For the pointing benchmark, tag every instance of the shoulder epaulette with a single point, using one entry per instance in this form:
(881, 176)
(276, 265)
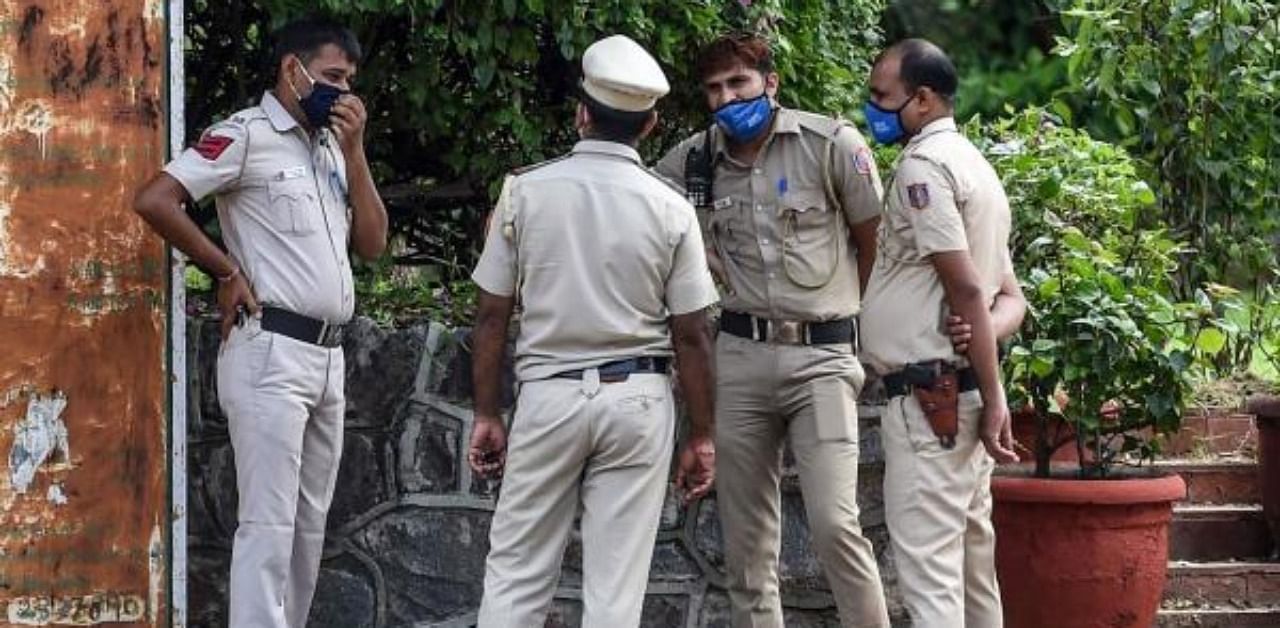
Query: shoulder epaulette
(665, 181)
(531, 167)
(825, 126)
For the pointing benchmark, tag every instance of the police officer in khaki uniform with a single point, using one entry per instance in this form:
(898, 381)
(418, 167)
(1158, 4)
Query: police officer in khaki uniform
(790, 221)
(293, 189)
(606, 261)
(943, 254)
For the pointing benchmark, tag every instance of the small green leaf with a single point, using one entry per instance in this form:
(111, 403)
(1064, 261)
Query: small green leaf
(1211, 340)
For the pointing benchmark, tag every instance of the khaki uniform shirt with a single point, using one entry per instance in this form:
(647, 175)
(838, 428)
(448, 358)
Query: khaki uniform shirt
(600, 252)
(282, 207)
(784, 244)
(944, 197)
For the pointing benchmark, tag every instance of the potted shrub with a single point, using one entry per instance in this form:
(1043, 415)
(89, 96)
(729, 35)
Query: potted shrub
(1100, 366)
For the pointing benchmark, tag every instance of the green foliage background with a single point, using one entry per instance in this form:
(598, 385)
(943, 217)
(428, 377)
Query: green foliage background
(462, 92)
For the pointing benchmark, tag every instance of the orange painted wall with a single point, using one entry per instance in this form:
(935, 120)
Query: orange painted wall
(83, 462)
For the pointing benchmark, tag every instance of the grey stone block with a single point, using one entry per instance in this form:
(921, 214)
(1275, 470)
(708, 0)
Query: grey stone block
(564, 613)
(363, 477)
(709, 540)
(429, 446)
(211, 493)
(665, 610)
(381, 367)
(345, 597)
(205, 419)
(432, 561)
(671, 561)
(207, 571)
(715, 610)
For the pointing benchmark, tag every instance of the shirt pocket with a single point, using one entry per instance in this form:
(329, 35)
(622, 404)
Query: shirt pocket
(812, 234)
(730, 228)
(293, 205)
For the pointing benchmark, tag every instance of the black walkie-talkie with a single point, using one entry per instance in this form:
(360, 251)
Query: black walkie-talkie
(699, 173)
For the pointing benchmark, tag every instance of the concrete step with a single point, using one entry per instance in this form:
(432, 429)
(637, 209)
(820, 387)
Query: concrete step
(1218, 532)
(1222, 585)
(1225, 480)
(1219, 618)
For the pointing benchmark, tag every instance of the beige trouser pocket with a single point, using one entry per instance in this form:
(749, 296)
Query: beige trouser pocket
(835, 409)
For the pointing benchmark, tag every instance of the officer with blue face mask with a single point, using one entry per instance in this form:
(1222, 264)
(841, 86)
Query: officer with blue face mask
(943, 256)
(788, 202)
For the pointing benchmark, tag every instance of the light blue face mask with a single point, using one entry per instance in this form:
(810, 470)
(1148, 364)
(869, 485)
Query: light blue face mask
(745, 120)
(886, 124)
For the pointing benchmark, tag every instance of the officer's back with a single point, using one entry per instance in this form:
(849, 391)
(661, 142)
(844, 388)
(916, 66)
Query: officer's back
(595, 236)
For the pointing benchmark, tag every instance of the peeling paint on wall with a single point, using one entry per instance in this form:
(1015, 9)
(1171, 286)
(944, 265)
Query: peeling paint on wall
(37, 437)
(55, 495)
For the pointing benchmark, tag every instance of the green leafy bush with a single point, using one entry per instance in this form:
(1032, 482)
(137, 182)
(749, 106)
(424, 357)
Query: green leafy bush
(1192, 87)
(1103, 350)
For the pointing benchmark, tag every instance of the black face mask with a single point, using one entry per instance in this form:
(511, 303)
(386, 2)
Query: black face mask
(319, 103)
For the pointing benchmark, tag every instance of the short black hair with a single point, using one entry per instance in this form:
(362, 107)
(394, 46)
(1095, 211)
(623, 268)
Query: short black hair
(305, 37)
(923, 64)
(614, 125)
(728, 51)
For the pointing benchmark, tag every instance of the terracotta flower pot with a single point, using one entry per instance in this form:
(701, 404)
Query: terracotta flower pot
(1024, 431)
(1267, 410)
(1082, 553)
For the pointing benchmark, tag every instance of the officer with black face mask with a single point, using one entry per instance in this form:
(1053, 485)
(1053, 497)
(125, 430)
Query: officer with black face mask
(293, 190)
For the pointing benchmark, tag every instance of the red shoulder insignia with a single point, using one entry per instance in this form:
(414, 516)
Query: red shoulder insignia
(211, 146)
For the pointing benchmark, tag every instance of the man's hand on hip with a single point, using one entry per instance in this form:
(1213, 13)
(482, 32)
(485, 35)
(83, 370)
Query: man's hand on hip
(234, 296)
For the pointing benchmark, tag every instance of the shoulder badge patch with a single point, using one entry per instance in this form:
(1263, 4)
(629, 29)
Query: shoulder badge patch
(862, 160)
(918, 195)
(211, 146)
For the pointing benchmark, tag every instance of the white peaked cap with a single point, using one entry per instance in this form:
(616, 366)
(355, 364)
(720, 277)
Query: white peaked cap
(618, 73)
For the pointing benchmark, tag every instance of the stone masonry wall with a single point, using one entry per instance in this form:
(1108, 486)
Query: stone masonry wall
(408, 530)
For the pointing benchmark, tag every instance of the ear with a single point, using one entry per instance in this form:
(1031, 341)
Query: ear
(287, 62)
(582, 118)
(650, 125)
(771, 83)
(929, 100)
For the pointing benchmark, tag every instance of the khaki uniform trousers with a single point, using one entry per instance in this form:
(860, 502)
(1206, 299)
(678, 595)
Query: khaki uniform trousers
(605, 447)
(284, 404)
(938, 507)
(764, 393)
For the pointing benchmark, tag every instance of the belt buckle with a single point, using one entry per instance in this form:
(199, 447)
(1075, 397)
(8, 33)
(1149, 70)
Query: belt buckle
(330, 334)
(786, 332)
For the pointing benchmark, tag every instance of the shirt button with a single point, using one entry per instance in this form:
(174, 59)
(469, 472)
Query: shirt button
(758, 171)
(772, 275)
(759, 208)
(764, 241)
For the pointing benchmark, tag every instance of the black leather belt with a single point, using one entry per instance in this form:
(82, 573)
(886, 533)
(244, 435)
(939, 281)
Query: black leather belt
(620, 370)
(788, 332)
(900, 383)
(300, 327)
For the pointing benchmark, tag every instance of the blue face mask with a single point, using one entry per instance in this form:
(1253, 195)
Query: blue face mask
(886, 124)
(745, 120)
(319, 103)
